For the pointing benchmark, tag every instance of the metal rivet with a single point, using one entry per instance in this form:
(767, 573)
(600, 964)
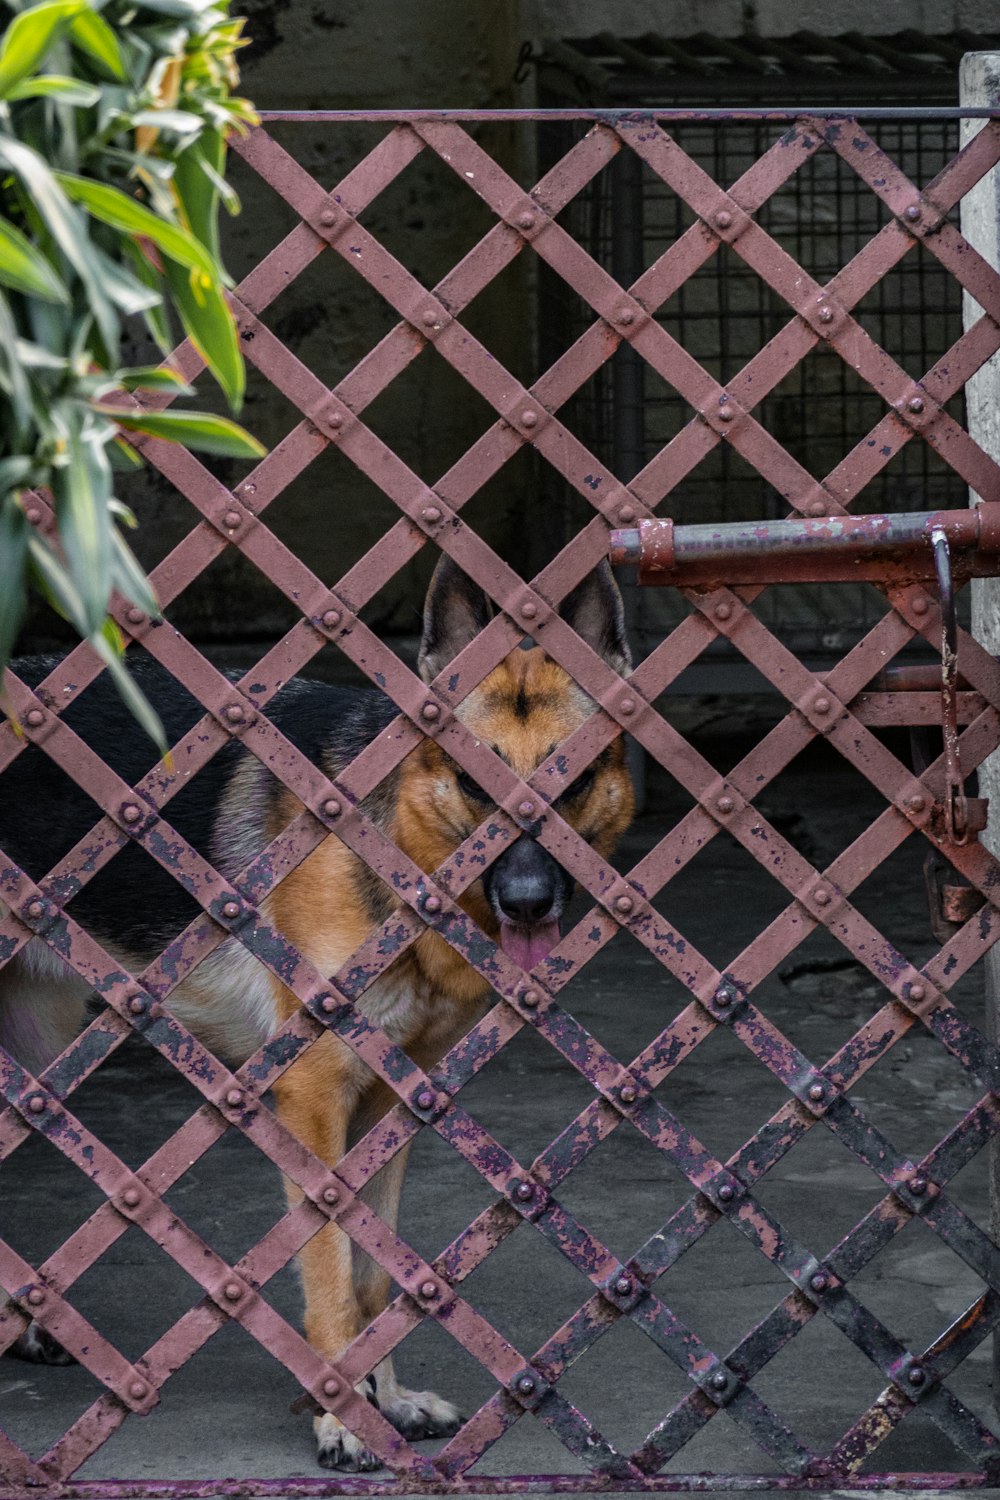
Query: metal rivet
(33, 515)
(725, 804)
(137, 1005)
(826, 315)
(627, 706)
(623, 1285)
(35, 909)
(526, 1385)
(232, 1291)
(332, 808)
(917, 1376)
(819, 1282)
(524, 1192)
(130, 813)
(723, 611)
(529, 999)
(430, 711)
(915, 404)
(334, 417)
(328, 217)
(34, 717)
(431, 514)
(429, 1290)
(529, 419)
(920, 605)
(234, 713)
(723, 218)
(912, 212)
(36, 1296)
(821, 896)
(917, 802)
(526, 809)
(36, 1104)
(234, 1098)
(624, 904)
(331, 617)
(134, 615)
(626, 317)
(331, 1195)
(726, 1193)
(331, 1386)
(230, 909)
(328, 1005)
(231, 520)
(918, 1186)
(529, 610)
(817, 508)
(526, 220)
(719, 1381)
(137, 1390)
(722, 998)
(131, 1197)
(429, 318)
(916, 992)
(726, 414)
(822, 705)
(425, 1099)
(627, 1093)
(627, 513)
(816, 1092)
(432, 904)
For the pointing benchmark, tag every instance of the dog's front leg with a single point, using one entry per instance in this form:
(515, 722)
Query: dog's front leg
(415, 1414)
(316, 1099)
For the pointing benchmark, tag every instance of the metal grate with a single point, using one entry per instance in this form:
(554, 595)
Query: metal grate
(524, 1197)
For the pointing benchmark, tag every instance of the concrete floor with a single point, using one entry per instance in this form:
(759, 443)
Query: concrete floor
(227, 1412)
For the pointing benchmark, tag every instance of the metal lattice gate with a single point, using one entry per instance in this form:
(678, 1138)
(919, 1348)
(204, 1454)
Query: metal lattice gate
(834, 706)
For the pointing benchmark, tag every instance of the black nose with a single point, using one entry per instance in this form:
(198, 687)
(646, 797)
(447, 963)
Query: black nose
(526, 899)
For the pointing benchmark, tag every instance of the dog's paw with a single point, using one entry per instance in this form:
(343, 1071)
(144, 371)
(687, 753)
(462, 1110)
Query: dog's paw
(38, 1346)
(336, 1448)
(421, 1414)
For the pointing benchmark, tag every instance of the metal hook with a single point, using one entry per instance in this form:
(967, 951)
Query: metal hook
(956, 806)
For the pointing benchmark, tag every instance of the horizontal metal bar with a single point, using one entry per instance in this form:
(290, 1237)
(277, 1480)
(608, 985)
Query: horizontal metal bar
(805, 550)
(508, 1484)
(619, 116)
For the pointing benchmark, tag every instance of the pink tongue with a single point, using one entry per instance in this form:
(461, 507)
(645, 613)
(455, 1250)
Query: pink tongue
(528, 946)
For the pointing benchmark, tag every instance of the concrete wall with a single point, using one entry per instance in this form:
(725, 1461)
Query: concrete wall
(630, 18)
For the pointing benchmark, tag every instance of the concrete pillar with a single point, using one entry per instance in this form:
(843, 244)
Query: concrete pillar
(980, 86)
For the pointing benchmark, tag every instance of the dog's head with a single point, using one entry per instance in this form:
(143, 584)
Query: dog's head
(525, 708)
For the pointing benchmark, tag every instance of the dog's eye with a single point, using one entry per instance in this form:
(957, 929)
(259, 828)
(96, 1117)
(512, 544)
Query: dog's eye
(580, 786)
(469, 788)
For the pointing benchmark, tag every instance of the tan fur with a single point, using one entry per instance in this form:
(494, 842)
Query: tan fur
(430, 996)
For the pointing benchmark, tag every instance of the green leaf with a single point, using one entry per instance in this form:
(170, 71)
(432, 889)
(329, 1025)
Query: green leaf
(123, 213)
(155, 316)
(14, 533)
(129, 691)
(180, 121)
(29, 36)
(209, 324)
(125, 290)
(92, 34)
(82, 489)
(129, 578)
(54, 583)
(54, 86)
(200, 430)
(154, 378)
(67, 228)
(13, 380)
(25, 268)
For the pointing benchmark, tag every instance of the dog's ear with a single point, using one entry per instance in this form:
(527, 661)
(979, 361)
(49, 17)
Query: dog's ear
(594, 609)
(455, 611)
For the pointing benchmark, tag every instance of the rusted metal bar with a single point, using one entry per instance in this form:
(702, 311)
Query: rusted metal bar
(810, 551)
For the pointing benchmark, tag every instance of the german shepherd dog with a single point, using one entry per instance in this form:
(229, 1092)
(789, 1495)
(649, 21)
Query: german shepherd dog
(429, 997)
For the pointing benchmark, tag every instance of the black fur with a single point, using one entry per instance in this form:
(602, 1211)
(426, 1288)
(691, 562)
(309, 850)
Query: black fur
(43, 813)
